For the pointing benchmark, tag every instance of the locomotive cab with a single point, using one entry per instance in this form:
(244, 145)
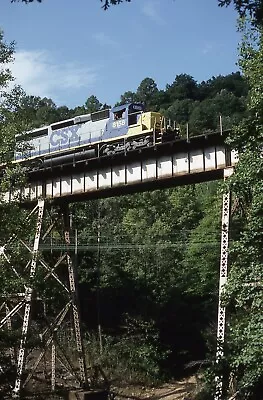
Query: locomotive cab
(127, 113)
(134, 113)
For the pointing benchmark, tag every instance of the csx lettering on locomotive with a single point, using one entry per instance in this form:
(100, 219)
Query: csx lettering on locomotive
(64, 136)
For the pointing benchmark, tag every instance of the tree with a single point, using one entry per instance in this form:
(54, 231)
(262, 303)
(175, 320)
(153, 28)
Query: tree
(92, 104)
(106, 3)
(234, 83)
(147, 91)
(34, 111)
(204, 246)
(9, 215)
(244, 292)
(180, 110)
(127, 97)
(183, 87)
(203, 117)
(8, 100)
(25, 1)
(252, 7)
(6, 56)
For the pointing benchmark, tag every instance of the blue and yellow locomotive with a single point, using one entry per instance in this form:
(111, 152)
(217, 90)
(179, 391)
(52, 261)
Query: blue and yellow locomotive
(103, 133)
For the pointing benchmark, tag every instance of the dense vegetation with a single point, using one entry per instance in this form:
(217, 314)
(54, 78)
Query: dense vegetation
(184, 100)
(152, 284)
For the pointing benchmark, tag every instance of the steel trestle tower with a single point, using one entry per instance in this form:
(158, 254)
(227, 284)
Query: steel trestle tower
(55, 349)
(221, 322)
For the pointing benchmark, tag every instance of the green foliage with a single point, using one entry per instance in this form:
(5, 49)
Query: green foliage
(105, 3)
(180, 110)
(92, 104)
(108, 3)
(9, 124)
(6, 55)
(186, 101)
(183, 87)
(244, 290)
(204, 246)
(143, 268)
(205, 114)
(244, 7)
(26, 1)
(132, 357)
(233, 83)
(127, 97)
(203, 117)
(33, 111)
(254, 8)
(146, 92)
(6, 126)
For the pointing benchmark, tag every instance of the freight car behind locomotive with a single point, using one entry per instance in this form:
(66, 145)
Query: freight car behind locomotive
(123, 128)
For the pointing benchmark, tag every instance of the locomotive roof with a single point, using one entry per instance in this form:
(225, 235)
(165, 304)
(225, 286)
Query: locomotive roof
(121, 107)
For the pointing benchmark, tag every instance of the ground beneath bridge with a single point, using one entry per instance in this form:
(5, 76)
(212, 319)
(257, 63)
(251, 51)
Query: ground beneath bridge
(185, 389)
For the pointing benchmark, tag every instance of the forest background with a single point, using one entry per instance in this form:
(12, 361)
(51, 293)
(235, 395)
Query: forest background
(151, 286)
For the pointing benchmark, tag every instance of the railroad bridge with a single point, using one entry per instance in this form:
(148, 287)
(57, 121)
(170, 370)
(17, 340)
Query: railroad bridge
(181, 162)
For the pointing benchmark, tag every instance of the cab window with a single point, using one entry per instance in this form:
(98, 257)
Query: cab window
(119, 114)
(133, 118)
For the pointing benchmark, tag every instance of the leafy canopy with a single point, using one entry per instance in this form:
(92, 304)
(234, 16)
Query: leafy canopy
(254, 8)
(106, 3)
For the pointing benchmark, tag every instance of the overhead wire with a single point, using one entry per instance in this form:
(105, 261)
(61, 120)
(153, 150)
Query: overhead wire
(112, 246)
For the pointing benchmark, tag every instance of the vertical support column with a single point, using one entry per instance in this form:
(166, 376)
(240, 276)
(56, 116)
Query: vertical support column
(74, 299)
(222, 281)
(28, 299)
(53, 365)
(9, 327)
